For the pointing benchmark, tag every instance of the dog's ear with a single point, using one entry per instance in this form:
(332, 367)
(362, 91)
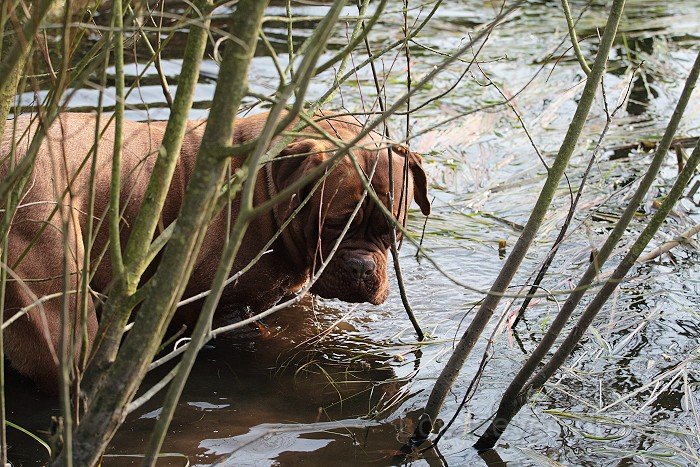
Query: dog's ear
(292, 163)
(420, 181)
(296, 159)
(304, 147)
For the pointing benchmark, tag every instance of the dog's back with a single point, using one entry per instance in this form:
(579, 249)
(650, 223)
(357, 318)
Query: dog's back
(48, 227)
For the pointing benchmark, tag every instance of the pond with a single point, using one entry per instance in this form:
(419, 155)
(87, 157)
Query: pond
(342, 384)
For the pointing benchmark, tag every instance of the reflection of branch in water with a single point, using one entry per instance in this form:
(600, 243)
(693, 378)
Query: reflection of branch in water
(416, 362)
(491, 458)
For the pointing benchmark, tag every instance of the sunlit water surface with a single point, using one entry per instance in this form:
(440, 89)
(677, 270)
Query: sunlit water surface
(350, 394)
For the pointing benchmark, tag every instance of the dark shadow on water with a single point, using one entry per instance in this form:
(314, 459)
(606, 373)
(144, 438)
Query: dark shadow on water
(30, 409)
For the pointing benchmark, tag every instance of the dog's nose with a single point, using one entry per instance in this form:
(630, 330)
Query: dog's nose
(360, 267)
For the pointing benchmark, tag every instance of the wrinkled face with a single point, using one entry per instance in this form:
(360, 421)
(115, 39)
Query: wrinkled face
(357, 271)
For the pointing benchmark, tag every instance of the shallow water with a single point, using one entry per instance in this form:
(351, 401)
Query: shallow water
(351, 396)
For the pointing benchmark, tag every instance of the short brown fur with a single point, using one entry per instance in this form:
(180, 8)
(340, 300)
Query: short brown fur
(357, 272)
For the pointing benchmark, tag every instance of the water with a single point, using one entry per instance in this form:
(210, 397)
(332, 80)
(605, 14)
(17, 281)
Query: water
(629, 394)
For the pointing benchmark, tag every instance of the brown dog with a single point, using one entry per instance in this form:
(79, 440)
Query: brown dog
(357, 272)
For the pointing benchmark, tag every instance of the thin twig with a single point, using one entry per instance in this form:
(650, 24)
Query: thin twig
(394, 250)
(574, 40)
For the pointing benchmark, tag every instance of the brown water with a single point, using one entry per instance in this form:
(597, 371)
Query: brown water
(350, 395)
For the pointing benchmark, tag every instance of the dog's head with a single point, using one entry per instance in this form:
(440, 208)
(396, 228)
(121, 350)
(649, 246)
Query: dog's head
(357, 271)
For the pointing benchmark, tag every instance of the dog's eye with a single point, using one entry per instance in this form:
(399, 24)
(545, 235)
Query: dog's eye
(385, 227)
(335, 225)
(383, 230)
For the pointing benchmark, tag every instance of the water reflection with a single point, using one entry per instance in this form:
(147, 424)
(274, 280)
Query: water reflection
(642, 91)
(315, 373)
(350, 396)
